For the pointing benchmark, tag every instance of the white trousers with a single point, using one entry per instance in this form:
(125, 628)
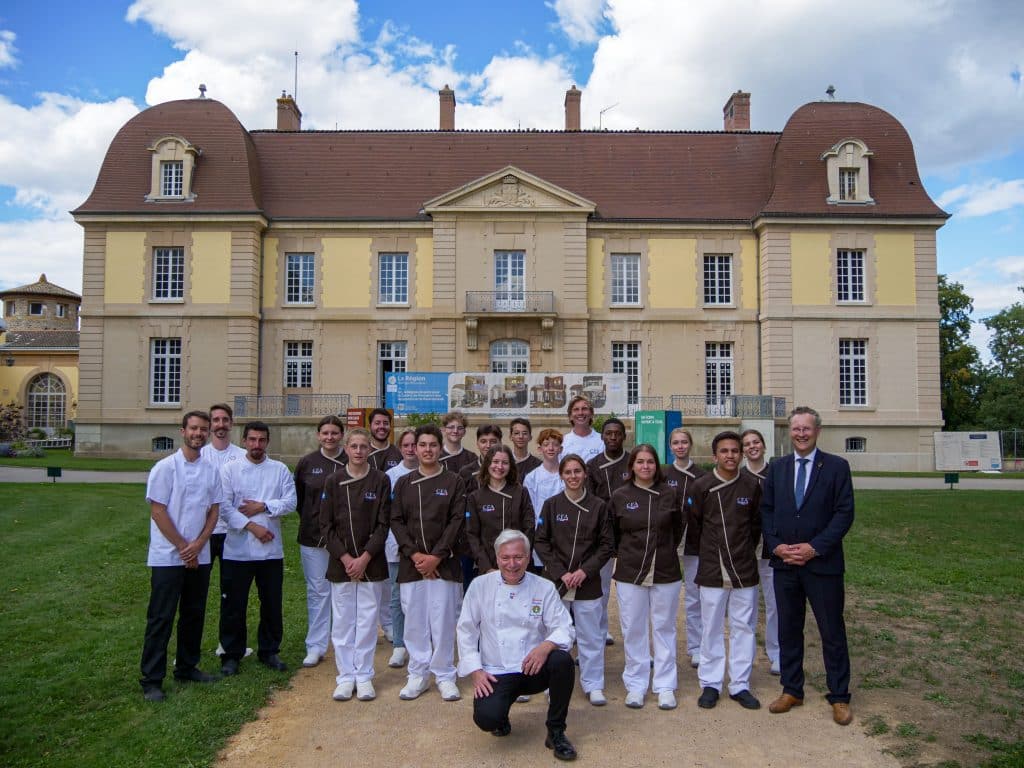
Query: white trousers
(586, 616)
(646, 614)
(431, 611)
(318, 598)
(771, 611)
(355, 605)
(741, 605)
(385, 606)
(606, 593)
(691, 601)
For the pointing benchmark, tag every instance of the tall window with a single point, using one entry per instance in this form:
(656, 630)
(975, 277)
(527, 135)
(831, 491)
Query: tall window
(172, 178)
(509, 281)
(625, 278)
(298, 364)
(394, 278)
(299, 278)
(847, 183)
(168, 273)
(9, 306)
(626, 359)
(717, 377)
(718, 279)
(165, 371)
(510, 356)
(46, 402)
(853, 372)
(62, 310)
(392, 357)
(850, 275)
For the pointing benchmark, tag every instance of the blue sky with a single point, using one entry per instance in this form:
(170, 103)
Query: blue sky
(72, 73)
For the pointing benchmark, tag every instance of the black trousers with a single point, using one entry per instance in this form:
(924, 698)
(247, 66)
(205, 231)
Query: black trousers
(794, 588)
(174, 590)
(558, 675)
(237, 577)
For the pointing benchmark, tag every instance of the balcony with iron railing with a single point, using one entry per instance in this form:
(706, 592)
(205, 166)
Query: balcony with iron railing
(511, 302)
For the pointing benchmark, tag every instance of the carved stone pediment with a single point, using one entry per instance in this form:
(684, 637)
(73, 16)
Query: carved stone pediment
(509, 189)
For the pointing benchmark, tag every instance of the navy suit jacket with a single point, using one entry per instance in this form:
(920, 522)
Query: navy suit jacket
(822, 520)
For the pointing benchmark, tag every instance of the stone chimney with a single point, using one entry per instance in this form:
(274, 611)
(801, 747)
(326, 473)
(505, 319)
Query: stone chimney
(289, 118)
(572, 109)
(737, 112)
(447, 98)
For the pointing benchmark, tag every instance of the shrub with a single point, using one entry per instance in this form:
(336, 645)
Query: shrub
(12, 422)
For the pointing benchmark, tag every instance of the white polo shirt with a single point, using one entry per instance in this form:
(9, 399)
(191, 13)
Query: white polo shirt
(272, 483)
(219, 458)
(187, 489)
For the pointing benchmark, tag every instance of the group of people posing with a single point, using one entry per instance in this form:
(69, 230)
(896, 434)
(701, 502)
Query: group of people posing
(508, 556)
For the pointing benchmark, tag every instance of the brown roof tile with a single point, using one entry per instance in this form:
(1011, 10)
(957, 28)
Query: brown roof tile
(42, 287)
(40, 340)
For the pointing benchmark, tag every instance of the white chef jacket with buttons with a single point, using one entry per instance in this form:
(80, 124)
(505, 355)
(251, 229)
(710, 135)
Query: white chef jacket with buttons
(219, 458)
(187, 489)
(272, 483)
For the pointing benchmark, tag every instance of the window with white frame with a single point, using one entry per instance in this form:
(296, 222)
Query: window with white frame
(299, 277)
(853, 372)
(46, 402)
(717, 279)
(161, 444)
(392, 357)
(36, 308)
(856, 444)
(510, 356)
(847, 183)
(168, 273)
(393, 272)
(626, 359)
(298, 364)
(625, 279)
(165, 371)
(62, 310)
(172, 178)
(509, 281)
(849, 275)
(9, 307)
(718, 377)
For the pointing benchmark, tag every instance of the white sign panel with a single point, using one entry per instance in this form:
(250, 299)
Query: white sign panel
(536, 393)
(966, 451)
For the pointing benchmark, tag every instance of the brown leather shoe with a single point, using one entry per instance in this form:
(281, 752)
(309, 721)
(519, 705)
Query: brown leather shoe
(784, 703)
(841, 713)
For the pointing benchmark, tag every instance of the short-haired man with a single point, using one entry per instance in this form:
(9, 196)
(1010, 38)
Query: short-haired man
(725, 513)
(514, 639)
(383, 455)
(520, 432)
(453, 456)
(183, 494)
(806, 511)
(582, 439)
(257, 493)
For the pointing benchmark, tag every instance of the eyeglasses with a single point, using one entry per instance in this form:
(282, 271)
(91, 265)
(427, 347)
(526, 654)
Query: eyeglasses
(455, 428)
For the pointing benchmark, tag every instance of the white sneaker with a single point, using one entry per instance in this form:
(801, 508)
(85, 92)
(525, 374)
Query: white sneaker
(634, 699)
(522, 699)
(398, 658)
(776, 669)
(597, 698)
(312, 659)
(364, 690)
(414, 686)
(344, 690)
(666, 700)
(449, 690)
(695, 660)
(219, 651)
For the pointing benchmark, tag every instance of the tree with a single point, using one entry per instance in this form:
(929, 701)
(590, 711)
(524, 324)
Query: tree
(1003, 390)
(959, 363)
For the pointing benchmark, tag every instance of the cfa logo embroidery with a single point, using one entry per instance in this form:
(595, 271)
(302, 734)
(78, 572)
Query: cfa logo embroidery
(562, 517)
(633, 505)
(391, 463)
(487, 508)
(370, 496)
(673, 483)
(742, 501)
(441, 492)
(317, 471)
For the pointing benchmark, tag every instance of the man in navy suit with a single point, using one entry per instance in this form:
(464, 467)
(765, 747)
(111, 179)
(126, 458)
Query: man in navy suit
(806, 509)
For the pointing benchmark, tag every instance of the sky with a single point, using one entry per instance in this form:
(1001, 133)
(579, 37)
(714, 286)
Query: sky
(72, 73)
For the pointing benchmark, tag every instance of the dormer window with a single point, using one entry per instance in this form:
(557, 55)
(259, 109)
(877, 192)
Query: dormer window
(846, 165)
(174, 162)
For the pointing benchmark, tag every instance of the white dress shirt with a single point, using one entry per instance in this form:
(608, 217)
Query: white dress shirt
(391, 544)
(219, 458)
(272, 483)
(187, 489)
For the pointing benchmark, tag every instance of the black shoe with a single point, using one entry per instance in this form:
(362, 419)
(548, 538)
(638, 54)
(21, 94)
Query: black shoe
(564, 750)
(609, 640)
(274, 662)
(153, 693)
(502, 730)
(708, 698)
(746, 699)
(195, 675)
(229, 667)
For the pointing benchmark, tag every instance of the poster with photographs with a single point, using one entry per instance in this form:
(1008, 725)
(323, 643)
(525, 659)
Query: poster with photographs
(536, 393)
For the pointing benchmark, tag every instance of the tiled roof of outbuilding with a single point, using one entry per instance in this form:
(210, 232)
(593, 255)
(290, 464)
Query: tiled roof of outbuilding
(40, 340)
(41, 287)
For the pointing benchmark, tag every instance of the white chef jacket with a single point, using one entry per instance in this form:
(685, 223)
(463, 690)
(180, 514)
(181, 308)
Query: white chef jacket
(542, 485)
(219, 459)
(585, 447)
(272, 483)
(391, 543)
(187, 489)
(500, 623)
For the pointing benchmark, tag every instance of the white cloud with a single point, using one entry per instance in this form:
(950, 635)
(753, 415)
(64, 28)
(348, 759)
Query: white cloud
(982, 199)
(8, 53)
(579, 19)
(53, 246)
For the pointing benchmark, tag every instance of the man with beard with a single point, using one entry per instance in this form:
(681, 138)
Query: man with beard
(383, 455)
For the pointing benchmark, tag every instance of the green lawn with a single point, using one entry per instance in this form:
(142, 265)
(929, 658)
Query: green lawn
(67, 460)
(963, 475)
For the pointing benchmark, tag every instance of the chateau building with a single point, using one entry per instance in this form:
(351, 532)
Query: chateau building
(710, 267)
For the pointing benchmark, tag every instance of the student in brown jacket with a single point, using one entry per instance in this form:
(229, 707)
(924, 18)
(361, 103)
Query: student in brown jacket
(427, 515)
(354, 515)
(498, 503)
(727, 520)
(574, 540)
(648, 526)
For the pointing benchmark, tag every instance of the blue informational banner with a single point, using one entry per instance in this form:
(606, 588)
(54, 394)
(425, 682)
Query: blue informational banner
(416, 392)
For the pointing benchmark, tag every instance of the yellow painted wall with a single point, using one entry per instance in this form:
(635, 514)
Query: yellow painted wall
(595, 273)
(14, 379)
(424, 272)
(269, 272)
(346, 271)
(894, 269)
(810, 259)
(748, 273)
(124, 267)
(672, 273)
(211, 267)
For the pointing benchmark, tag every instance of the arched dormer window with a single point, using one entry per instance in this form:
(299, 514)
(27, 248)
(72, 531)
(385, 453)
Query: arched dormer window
(174, 160)
(846, 164)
